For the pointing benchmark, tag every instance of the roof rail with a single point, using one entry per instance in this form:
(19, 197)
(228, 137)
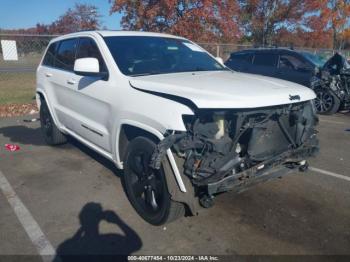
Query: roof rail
(86, 30)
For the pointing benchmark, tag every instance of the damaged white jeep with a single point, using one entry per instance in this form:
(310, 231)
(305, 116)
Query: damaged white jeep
(182, 126)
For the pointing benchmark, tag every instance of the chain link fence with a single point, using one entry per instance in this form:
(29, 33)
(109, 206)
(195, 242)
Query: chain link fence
(224, 50)
(17, 73)
(29, 49)
(19, 58)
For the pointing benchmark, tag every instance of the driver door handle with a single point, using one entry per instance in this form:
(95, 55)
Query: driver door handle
(71, 82)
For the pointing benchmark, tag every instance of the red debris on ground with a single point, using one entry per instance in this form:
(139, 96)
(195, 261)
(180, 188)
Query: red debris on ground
(12, 148)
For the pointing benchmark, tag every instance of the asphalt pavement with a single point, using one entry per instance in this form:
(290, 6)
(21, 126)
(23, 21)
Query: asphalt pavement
(68, 199)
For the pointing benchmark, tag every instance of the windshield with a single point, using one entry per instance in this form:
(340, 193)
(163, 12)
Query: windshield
(145, 55)
(315, 59)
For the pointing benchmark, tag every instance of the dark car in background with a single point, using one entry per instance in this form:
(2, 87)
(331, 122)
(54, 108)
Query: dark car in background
(281, 63)
(305, 68)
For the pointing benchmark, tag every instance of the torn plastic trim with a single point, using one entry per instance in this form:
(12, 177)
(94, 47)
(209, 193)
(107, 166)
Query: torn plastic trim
(162, 149)
(176, 171)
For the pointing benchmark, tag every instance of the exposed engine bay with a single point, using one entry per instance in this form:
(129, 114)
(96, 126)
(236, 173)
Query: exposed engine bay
(223, 143)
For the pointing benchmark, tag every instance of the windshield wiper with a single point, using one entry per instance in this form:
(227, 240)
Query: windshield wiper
(146, 74)
(199, 69)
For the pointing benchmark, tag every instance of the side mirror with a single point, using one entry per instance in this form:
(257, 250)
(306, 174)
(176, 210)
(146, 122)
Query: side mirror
(220, 60)
(88, 66)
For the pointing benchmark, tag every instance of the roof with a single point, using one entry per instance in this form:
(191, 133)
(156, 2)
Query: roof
(266, 49)
(134, 33)
(106, 33)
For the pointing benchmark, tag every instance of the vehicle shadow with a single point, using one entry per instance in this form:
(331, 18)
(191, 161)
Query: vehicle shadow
(88, 244)
(72, 142)
(23, 135)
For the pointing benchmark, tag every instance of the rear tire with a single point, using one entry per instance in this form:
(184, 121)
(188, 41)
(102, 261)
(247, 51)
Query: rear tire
(326, 102)
(146, 187)
(52, 135)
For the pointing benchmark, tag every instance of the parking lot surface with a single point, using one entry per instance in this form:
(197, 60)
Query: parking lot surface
(74, 202)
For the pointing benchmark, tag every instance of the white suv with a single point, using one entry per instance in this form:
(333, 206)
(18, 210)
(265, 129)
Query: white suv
(182, 126)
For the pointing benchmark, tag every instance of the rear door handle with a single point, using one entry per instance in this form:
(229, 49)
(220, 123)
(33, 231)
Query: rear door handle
(71, 82)
(48, 75)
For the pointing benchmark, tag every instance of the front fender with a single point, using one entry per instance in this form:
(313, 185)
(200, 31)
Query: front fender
(41, 93)
(160, 136)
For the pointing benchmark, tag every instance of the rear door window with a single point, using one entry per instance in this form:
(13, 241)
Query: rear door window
(88, 48)
(66, 54)
(265, 59)
(49, 59)
(291, 62)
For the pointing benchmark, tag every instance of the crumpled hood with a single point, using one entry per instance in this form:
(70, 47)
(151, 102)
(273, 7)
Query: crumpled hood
(336, 64)
(224, 89)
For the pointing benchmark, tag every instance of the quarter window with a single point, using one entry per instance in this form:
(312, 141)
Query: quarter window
(269, 60)
(49, 59)
(239, 59)
(242, 57)
(88, 48)
(66, 54)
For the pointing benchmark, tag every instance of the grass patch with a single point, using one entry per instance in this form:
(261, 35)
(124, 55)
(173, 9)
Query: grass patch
(31, 61)
(17, 88)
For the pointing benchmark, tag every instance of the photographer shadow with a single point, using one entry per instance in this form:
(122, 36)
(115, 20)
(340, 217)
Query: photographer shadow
(87, 244)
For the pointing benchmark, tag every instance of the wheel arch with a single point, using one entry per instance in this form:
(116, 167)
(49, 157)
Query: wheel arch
(130, 129)
(40, 94)
(126, 133)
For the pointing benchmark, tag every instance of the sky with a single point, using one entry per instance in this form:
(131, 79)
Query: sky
(15, 14)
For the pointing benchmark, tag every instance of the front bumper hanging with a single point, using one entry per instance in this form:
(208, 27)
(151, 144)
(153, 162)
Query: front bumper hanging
(279, 166)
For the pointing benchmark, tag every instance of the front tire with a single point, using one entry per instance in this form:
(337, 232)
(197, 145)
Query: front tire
(146, 187)
(326, 102)
(52, 135)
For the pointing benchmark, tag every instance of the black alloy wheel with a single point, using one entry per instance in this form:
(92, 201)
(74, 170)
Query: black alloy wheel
(325, 102)
(146, 187)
